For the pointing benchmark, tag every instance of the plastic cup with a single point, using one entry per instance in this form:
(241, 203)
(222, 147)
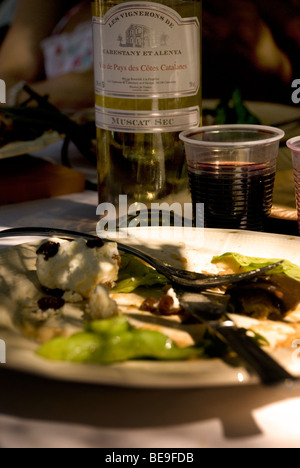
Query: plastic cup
(232, 171)
(294, 146)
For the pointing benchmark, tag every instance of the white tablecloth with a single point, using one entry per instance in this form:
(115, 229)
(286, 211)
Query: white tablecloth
(36, 412)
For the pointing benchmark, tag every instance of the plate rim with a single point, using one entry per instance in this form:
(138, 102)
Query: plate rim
(238, 376)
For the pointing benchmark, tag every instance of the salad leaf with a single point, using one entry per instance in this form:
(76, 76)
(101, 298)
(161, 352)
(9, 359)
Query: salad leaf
(251, 263)
(115, 340)
(232, 110)
(134, 274)
(257, 337)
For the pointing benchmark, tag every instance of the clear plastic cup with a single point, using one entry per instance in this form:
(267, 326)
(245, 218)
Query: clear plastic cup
(294, 145)
(232, 171)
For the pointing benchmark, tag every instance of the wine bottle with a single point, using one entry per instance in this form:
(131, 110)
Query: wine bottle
(147, 90)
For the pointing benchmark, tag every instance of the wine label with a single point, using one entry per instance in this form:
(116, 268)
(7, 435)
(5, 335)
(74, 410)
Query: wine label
(147, 122)
(146, 50)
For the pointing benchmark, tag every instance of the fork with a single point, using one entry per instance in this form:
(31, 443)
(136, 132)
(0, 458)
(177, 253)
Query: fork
(212, 309)
(190, 281)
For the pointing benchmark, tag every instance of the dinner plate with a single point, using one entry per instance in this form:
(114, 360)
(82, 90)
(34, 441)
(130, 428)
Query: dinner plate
(18, 148)
(190, 247)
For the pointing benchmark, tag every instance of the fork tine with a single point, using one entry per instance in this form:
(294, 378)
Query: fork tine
(213, 281)
(211, 278)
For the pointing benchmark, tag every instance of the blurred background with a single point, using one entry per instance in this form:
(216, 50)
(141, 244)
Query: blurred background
(252, 45)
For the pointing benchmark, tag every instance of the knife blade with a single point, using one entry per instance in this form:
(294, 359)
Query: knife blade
(211, 309)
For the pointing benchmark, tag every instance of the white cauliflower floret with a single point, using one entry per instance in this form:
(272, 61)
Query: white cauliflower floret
(176, 304)
(77, 266)
(101, 305)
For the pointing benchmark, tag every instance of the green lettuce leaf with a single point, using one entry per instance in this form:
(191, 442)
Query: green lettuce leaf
(134, 274)
(115, 340)
(251, 263)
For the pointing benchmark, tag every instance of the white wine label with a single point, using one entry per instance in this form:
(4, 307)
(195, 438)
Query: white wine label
(147, 122)
(146, 50)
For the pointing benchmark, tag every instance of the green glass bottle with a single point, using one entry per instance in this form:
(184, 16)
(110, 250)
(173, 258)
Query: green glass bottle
(148, 89)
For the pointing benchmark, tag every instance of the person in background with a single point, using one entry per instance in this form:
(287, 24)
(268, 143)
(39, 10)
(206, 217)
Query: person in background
(49, 46)
(252, 45)
(7, 8)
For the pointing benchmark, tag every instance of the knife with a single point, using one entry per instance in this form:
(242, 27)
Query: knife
(211, 309)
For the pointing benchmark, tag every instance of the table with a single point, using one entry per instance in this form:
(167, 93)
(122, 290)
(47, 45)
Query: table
(39, 413)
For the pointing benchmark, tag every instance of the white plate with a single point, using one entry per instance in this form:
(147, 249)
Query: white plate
(269, 113)
(18, 148)
(197, 250)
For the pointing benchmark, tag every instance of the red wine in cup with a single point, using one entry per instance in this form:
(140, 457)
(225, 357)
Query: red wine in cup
(235, 195)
